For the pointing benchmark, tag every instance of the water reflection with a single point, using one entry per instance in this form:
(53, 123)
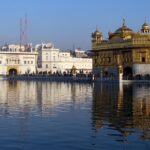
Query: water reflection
(61, 115)
(40, 97)
(126, 109)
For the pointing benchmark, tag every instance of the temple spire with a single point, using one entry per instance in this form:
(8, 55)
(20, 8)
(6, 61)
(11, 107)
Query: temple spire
(96, 28)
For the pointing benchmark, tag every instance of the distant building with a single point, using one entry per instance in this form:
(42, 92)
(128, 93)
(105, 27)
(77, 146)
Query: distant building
(16, 48)
(15, 61)
(80, 53)
(125, 54)
(53, 60)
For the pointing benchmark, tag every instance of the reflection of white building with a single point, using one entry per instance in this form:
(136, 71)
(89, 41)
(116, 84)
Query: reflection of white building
(41, 97)
(16, 61)
(52, 60)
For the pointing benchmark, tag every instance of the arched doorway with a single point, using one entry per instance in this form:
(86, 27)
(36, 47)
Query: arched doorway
(127, 73)
(12, 72)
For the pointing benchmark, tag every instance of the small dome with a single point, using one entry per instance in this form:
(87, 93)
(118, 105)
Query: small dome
(145, 24)
(96, 33)
(145, 28)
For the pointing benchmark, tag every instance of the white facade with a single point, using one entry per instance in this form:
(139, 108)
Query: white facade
(47, 57)
(53, 60)
(17, 62)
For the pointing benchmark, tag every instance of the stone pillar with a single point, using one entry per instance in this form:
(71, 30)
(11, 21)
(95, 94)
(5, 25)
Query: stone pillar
(120, 73)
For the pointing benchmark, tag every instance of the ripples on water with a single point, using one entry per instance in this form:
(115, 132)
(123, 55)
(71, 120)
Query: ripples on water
(74, 116)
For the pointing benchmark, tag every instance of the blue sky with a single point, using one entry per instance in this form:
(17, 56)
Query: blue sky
(69, 23)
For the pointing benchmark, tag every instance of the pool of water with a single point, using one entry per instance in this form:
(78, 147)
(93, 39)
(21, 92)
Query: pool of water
(74, 116)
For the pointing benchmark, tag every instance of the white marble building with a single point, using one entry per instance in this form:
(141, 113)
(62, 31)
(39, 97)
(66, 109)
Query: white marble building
(15, 61)
(51, 59)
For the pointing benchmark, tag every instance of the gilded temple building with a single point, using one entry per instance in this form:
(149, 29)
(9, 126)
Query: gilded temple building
(124, 55)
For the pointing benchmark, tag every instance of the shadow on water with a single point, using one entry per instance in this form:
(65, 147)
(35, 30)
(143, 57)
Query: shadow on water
(124, 108)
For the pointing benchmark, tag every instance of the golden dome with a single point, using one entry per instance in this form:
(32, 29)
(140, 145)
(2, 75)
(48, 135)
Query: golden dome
(124, 28)
(123, 32)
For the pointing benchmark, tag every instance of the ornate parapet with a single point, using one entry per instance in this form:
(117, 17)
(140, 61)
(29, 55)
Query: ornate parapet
(112, 45)
(121, 45)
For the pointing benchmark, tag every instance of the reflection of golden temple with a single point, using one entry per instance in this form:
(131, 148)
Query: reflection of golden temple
(125, 107)
(124, 49)
(141, 109)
